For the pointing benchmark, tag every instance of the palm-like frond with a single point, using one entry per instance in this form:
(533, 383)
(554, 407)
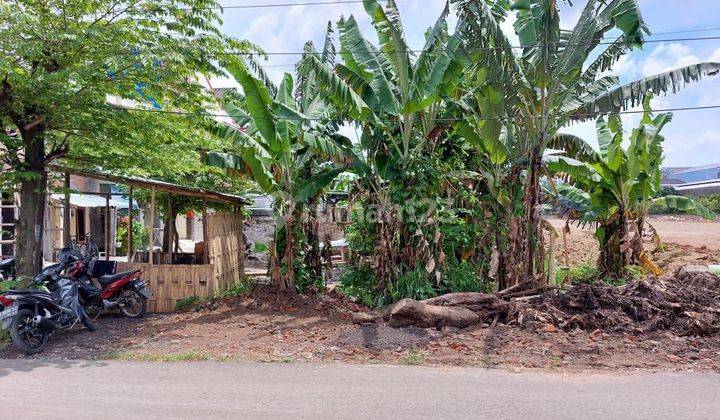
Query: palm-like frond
(632, 94)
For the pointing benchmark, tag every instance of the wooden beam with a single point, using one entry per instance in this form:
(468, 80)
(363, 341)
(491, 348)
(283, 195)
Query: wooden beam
(151, 226)
(107, 227)
(66, 212)
(206, 244)
(170, 228)
(241, 244)
(130, 223)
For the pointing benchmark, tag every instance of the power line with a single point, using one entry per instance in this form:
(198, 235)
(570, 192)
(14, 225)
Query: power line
(648, 41)
(289, 4)
(574, 116)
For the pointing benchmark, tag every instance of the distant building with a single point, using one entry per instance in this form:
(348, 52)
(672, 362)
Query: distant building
(695, 181)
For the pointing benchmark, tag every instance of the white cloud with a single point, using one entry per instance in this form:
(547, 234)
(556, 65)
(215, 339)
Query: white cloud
(715, 57)
(666, 57)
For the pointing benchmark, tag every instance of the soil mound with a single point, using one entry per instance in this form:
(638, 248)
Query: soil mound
(686, 306)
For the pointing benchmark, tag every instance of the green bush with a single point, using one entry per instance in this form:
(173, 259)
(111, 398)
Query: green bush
(241, 287)
(359, 283)
(415, 284)
(588, 274)
(463, 276)
(712, 202)
(360, 233)
(187, 304)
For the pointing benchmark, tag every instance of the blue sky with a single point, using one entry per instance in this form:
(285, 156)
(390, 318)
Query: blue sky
(693, 138)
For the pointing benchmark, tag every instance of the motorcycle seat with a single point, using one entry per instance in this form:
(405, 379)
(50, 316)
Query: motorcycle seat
(7, 263)
(27, 291)
(111, 278)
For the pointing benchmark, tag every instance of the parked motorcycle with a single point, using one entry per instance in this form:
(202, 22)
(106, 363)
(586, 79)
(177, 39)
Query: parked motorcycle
(7, 269)
(33, 315)
(125, 291)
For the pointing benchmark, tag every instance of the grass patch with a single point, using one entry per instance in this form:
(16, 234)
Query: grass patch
(187, 304)
(188, 356)
(239, 288)
(413, 358)
(588, 274)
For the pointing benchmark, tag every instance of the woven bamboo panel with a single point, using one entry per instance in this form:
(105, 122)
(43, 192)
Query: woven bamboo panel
(170, 283)
(225, 248)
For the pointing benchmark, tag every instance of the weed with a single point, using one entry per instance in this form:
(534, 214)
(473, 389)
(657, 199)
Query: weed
(188, 303)
(287, 359)
(189, 356)
(241, 287)
(413, 358)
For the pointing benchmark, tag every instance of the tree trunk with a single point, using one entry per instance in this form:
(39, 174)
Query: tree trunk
(31, 219)
(525, 257)
(30, 223)
(311, 227)
(615, 252)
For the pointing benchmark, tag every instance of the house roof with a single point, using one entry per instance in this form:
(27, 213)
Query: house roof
(213, 196)
(698, 168)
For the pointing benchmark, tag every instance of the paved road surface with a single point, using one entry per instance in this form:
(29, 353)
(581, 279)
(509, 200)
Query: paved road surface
(46, 389)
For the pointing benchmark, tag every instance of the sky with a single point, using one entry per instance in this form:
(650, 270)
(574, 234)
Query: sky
(693, 138)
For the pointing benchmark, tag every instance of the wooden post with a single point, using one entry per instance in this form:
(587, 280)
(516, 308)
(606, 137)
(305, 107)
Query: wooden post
(107, 227)
(206, 244)
(130, 224)
(151, 226)
(66, 212)
(241, 244)
(170, 228)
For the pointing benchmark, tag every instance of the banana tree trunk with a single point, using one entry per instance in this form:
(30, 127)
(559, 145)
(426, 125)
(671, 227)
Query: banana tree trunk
(311, 228)
(526, 250)
(615, 249)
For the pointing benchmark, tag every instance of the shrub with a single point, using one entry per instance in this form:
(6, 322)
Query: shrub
(415, 284)
(188, 303)
(463, 276)
(359, 283)
(241, 287)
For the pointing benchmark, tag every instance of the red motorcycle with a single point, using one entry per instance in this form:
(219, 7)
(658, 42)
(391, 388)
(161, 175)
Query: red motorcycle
(125, 291)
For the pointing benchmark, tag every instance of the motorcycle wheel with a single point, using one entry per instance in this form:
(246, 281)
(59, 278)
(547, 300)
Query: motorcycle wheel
(135, 305)
(27, 336)
(93, 311)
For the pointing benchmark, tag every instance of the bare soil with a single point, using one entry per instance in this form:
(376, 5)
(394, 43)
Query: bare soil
(319, 328)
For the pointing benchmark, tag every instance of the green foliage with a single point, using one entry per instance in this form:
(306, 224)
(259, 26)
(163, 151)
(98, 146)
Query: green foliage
(240, 287)
(413, 358)
(140, 236)
(360, 233)
(187, 304)
(589, 274)
(463, 276)
(712, 202)
(413, 284)
(359, 283)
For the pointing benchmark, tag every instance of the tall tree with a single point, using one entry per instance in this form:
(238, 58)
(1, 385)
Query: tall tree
(552, 81)
(61, 61)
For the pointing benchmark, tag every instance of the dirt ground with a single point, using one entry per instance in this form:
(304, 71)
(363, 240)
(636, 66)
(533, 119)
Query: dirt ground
(318, 329)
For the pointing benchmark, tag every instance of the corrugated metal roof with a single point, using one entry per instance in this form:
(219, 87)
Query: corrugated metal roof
(697, 168)
(87, 200)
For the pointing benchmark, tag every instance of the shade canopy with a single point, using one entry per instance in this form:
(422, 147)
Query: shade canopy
(87, 200)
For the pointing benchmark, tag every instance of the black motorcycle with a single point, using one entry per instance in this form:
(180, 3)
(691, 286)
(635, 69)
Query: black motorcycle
(7, 269)
(33, 315)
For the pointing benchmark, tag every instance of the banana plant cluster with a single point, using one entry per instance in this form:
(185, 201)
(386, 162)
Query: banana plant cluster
(397, 99)
(522, 97)
(288, 143)
(615, 186)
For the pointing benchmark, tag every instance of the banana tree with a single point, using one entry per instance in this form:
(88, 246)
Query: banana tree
(397, 101)
(552, 81)
(289, 146)
(615, 187)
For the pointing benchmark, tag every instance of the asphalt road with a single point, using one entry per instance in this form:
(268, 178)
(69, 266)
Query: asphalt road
(62, 389)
